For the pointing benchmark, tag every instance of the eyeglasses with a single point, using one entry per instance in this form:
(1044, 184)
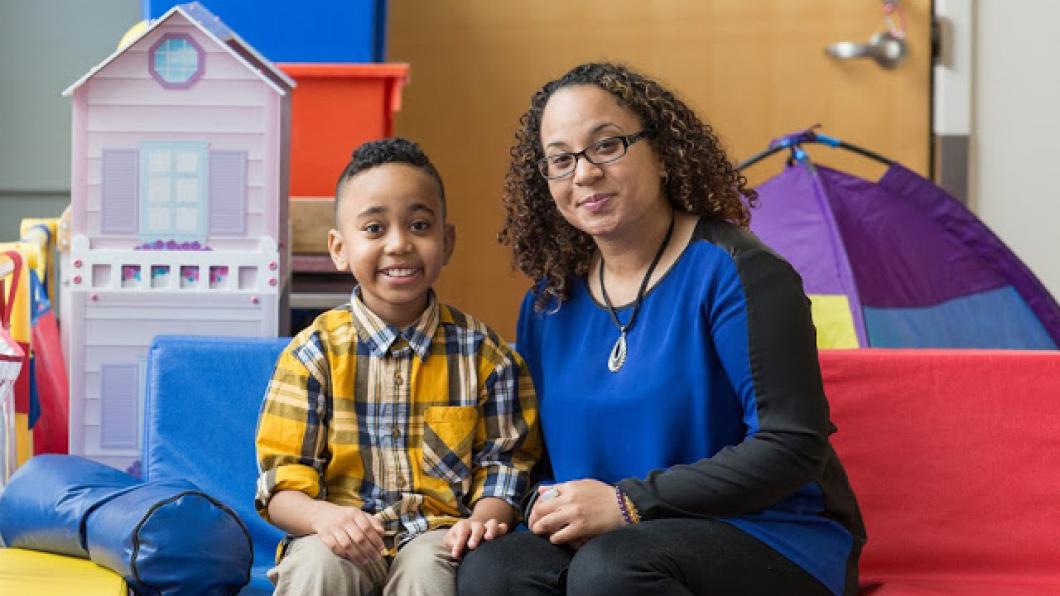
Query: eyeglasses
(599, 153)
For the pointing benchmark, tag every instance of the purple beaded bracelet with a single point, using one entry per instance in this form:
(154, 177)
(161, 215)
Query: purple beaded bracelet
(621, 497)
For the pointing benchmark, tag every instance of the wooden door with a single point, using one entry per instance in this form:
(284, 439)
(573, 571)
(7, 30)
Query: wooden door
(755, 70)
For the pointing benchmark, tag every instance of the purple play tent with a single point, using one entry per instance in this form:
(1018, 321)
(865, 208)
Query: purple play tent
(897, 262)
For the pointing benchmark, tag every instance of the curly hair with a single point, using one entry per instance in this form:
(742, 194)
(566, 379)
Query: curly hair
(384, 151)
(700, 177)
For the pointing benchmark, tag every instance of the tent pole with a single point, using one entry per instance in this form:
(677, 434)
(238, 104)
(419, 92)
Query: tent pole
(819, 139)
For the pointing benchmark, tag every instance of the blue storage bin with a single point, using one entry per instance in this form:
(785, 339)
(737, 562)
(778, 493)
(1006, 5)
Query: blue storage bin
(300, 31)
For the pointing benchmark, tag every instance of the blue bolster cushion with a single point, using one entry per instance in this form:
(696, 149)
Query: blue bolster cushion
(50, 496)
(166, 537)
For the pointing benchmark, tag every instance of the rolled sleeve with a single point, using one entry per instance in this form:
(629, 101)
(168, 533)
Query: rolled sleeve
(289, 477)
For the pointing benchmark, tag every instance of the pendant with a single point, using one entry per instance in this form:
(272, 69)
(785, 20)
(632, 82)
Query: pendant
(618, 354)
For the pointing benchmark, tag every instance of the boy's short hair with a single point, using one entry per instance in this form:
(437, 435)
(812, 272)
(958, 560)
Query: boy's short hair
(384, 151)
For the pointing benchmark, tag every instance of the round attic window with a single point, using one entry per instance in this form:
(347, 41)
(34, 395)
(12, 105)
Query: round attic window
(176, 61)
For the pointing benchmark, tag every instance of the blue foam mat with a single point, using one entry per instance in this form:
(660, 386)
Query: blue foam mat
(201, 408)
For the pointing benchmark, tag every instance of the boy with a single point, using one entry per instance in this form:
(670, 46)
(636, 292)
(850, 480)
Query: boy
(396, 432)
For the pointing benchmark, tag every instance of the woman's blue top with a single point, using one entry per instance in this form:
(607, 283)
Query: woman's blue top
(719, 410)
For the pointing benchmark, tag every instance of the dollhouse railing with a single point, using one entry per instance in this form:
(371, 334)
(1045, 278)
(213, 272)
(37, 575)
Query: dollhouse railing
(180, 270)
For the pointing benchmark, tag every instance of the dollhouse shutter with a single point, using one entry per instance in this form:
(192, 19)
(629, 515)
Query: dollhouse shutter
(228, 189)
(119, 411)
(119, 207)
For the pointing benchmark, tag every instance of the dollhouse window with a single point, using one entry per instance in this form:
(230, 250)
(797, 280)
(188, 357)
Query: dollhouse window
(173, 190)
(176, 61)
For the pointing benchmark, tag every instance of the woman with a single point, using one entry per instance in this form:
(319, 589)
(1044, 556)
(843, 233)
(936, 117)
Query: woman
(675, 360)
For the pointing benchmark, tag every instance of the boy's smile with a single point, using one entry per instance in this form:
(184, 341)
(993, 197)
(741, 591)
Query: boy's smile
(393, 237)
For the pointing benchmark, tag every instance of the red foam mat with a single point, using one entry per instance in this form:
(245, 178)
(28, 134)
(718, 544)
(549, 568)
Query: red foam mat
(955, 459)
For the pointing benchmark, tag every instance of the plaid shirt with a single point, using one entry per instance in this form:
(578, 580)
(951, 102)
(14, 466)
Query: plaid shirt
(410, 425)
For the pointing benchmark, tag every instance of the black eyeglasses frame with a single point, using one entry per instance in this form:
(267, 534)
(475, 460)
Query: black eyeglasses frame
(627, 141)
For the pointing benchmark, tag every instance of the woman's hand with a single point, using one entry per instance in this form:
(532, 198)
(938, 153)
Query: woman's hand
(581, 510)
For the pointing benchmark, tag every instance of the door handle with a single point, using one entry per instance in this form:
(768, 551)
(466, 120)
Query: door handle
(886, 48)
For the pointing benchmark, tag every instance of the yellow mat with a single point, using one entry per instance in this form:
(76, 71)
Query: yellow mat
(31, 573)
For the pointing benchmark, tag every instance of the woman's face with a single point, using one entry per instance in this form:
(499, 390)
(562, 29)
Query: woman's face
(610, 200)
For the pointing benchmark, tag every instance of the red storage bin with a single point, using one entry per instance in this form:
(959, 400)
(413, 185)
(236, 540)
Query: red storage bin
(335, 108)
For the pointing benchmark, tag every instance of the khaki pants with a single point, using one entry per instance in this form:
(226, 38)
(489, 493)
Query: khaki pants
(422, 567)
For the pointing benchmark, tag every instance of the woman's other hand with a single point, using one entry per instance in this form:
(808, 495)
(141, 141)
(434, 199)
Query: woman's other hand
(580, 510)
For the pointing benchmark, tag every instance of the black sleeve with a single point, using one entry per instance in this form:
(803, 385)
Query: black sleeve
(790, 446)
(541, 474)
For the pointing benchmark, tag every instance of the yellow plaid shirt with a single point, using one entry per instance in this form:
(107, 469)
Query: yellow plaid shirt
(410, 425)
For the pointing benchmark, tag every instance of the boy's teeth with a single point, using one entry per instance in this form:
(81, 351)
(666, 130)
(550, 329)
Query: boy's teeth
(399, 272)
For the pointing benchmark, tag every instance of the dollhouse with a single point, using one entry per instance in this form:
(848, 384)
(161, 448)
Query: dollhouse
(178, 213)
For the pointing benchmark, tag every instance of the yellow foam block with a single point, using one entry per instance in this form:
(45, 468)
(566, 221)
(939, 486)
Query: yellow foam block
(32, 573)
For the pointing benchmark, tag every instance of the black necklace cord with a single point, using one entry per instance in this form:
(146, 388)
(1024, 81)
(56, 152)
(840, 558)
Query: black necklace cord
(643, 283)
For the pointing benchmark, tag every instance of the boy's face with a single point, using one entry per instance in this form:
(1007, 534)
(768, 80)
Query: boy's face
(393, 237)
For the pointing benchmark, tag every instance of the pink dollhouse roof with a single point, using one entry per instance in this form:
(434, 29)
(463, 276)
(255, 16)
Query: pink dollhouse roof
(212, 26)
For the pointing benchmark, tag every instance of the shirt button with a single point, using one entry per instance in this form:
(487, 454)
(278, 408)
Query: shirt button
(401, 482)
(396, 431)
(397, 378)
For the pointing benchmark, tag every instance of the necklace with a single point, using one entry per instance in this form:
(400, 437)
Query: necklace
(618, 353)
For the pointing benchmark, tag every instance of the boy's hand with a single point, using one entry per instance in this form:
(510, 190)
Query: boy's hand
(470, 532)
(349, 532)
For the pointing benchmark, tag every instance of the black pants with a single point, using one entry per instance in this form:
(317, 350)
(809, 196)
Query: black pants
(667, 556)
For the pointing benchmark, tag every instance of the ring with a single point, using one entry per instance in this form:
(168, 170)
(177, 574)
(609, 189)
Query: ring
(551, 493)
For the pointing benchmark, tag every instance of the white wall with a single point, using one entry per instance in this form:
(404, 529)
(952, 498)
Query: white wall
(1015, 161)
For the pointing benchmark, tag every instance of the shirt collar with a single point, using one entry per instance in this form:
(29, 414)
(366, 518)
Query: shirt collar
(380, 336)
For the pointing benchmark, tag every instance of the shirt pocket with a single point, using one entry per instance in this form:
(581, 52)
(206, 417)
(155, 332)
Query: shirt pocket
(448, 434)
